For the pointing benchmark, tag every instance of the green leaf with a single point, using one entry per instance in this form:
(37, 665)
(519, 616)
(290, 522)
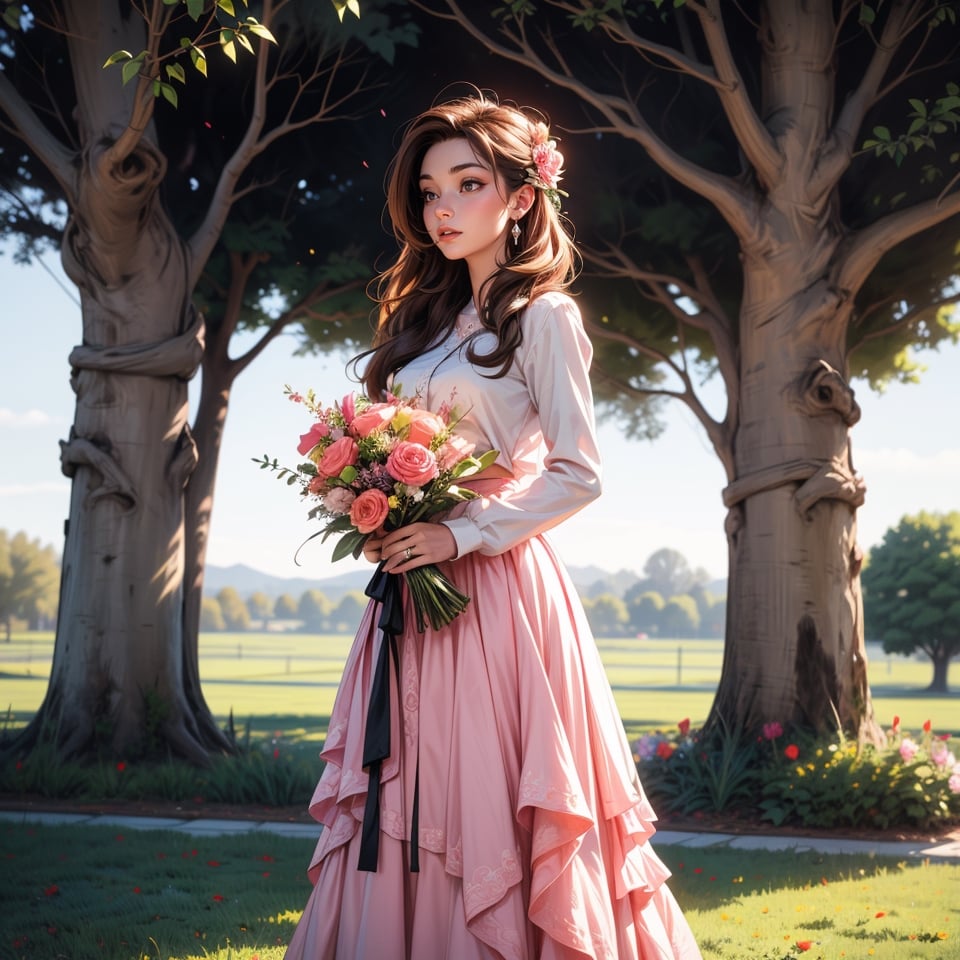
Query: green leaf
(227, 7)
(195, 8)
(867, 14)
(882, 133)
(169, 94)
(12, 15)
(245, 43)
(919, 106)
(176, 72)
(229, 49)
(199, 59)
(347, 544)
(117, 57)
(130, 69)
(259, 30)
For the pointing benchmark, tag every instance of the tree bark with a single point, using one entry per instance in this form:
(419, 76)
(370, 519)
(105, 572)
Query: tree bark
(795, 644)
(121, 677)
(941, 670)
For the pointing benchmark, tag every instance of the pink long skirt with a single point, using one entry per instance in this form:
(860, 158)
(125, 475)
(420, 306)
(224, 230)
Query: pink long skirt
(533, 827)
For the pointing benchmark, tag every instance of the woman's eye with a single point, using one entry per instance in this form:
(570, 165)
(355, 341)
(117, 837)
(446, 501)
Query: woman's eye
(427, 195)
(469, 186)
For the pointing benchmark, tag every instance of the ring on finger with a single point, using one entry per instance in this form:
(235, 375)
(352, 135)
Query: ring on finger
(407, 554)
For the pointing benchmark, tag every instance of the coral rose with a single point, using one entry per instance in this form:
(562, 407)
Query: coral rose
(369, 510)
(424, 427)
(412, 464)
(374, 418)
(341, 453)
(312, 437)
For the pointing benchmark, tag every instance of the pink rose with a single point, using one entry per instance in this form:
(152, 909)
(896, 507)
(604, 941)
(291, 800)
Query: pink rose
(374, 418)
(954, 783)
(319, 431)
(412, 464)
(548, 161)
(908, 750)
(341, 453)
(339, 500)
(453, 451)
(369, 510)
(424, 426)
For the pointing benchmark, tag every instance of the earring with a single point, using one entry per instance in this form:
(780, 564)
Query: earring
(515, 232)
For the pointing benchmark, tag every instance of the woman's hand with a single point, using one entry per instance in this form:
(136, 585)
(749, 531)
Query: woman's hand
(411, 546)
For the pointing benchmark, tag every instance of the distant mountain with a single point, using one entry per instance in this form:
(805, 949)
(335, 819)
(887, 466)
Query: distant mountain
(245, 580)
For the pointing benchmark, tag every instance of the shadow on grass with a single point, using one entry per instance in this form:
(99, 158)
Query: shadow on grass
(112, 894)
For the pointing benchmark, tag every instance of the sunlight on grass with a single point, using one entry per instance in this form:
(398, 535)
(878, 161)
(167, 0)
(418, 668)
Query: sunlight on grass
(656, 683)
(120, 894)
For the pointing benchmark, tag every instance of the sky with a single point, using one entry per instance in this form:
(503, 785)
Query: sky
(664, 493)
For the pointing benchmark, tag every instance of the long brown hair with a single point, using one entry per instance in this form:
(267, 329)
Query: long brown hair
(420, 295)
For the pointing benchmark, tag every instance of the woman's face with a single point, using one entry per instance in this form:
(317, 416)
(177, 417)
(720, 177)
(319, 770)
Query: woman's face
(465, 208)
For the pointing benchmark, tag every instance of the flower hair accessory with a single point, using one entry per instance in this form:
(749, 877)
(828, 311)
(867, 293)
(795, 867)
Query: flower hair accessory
(547, 166)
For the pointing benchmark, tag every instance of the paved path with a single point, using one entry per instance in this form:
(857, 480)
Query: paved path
(947, 849)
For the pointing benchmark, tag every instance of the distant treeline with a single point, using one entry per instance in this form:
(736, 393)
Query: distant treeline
(670, 600)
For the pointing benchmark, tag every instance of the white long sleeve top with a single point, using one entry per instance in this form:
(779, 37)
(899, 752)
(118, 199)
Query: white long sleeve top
(539, 416)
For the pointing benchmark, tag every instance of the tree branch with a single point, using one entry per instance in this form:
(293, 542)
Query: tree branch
(913, 315)
(53, 154)
(866, 247)
(752, 135)
(841, 142)
(732, 200)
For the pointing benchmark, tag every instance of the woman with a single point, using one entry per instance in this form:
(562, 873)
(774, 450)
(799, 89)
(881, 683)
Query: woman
(508, 821)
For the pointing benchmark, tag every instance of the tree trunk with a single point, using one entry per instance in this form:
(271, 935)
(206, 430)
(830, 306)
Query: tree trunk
(941, 669)
(794, 639)
(208, 430)
(122, 678)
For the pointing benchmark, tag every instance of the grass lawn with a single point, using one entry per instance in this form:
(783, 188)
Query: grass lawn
(288, 681)
(103, 893)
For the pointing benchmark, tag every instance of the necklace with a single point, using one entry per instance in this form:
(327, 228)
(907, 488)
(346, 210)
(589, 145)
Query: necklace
(467, 323)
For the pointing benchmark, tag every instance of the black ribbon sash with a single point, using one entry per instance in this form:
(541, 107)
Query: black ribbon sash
(385, 589)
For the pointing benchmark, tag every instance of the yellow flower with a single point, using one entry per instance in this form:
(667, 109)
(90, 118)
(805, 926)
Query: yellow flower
(942, 935)
(393, 502)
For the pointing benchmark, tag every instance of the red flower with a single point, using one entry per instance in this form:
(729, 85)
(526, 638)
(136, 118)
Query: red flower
(136, 890)
(879, 914)
(51, 891)
(218, 898)
(213, 863)
(121, 766)
(927, 727)
(791, 751)
(804, 945)
(698, 869)
(664, 750)
(276, 753)
(896, 723)
(684, 726)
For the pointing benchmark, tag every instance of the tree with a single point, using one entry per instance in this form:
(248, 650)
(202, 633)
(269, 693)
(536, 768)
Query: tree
(28, 578)
(645, 612)
(607, 615)
(260, 606)
(159, 212)
(314, 610)
(680, 617)
(911, 591)
(779, 231)
(211, 616)
(348, 611)
(285, 607)
(234, 610)
(668, 573)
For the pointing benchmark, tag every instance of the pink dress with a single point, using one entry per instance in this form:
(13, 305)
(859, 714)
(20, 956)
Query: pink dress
(533, 831)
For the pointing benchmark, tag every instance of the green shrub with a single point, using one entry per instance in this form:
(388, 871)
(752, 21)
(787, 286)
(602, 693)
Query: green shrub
(801, 779)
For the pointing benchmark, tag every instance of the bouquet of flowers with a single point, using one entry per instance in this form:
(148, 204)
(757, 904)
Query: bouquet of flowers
(383, 465)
